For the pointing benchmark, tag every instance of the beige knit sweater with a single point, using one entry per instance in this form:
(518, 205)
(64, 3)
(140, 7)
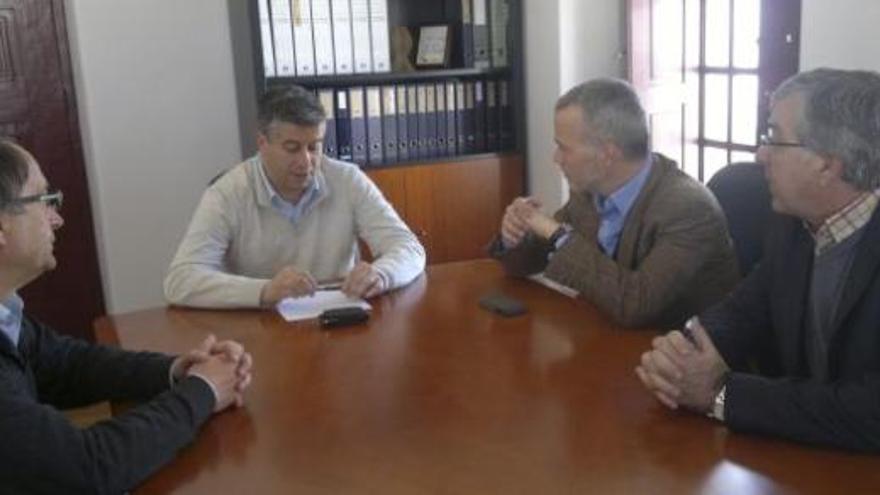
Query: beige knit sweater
(236, 241)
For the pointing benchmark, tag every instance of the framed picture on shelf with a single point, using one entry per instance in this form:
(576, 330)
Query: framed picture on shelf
(433, 49)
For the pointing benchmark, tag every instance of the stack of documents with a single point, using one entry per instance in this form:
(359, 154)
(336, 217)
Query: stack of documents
(304, 308)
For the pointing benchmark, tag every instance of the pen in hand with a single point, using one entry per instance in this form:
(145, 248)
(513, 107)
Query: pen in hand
(332, 285)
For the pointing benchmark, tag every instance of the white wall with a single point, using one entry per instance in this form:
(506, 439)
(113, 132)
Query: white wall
(567, 42)
(841, 34)
(157, 104)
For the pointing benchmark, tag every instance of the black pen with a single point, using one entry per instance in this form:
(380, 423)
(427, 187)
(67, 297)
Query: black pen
(330, 286)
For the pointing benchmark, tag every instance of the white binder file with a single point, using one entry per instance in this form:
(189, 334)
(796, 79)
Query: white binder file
(266, 39)
(301, 15)
(323, 37)
(282, 28)
(360, 33)
(500, 15)
(482, 57)
(379, 35)
(341, 16)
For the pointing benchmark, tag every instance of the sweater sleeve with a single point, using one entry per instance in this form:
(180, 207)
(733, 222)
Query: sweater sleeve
(71, 373)
(399, 256)
(843, 414)
(42, 452)
(197, 276)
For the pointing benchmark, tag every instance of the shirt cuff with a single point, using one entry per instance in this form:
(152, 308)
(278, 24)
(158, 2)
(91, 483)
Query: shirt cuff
(171, 381)
(560, 239)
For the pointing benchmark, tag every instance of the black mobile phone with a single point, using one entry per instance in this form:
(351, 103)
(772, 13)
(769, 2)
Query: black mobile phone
(349, 315)
(503, 305)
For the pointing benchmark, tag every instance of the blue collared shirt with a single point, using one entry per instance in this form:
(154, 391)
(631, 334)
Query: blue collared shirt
(292, 212)
(11, 310)
(613, 209)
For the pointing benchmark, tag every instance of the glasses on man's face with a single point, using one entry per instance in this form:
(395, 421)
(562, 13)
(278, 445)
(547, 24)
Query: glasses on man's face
(767, 140)
(52, 199)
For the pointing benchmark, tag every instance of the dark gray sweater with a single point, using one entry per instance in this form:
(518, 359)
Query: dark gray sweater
(42, 452)
(830, 271)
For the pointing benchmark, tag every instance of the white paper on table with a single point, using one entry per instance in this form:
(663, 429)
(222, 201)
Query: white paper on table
(304, 308)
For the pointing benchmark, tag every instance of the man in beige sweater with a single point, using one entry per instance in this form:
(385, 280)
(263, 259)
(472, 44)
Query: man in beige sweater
(288, 219)
(640, 239)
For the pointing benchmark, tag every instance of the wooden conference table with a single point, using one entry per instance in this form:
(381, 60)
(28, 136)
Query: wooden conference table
(437, 396)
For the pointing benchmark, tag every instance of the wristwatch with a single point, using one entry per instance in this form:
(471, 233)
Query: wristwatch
(717, 411)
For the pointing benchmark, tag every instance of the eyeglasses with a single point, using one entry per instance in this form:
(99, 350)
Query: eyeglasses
(52, 199)
(766, 140)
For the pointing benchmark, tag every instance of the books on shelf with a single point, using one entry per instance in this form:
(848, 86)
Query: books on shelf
(379, 38)
(282, 30)
(266, 38)
(303, 38)
(376, 126)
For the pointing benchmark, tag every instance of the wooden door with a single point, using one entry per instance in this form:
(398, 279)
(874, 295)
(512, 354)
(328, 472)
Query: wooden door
(38, 109)
(664, 42)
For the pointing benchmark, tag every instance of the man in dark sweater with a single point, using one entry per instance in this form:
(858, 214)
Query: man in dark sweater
(41, 451)
(794, 351)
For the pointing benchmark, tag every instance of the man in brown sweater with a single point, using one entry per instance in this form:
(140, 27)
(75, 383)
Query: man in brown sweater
(640, 239)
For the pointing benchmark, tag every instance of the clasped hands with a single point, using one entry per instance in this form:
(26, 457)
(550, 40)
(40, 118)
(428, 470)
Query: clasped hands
(224, 364)
(522, 216)
(364, 280)
(681, 372)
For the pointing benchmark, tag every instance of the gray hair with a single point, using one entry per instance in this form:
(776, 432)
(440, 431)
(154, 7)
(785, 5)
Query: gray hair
(841, 118)
(611, 107)
(292, 104)
(14, 162)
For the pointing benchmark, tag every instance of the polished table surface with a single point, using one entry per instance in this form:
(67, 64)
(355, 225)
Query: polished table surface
(436, 395)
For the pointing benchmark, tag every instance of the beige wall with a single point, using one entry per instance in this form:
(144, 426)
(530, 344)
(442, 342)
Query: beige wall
(567, 41)
(157, 104)
(840, 34)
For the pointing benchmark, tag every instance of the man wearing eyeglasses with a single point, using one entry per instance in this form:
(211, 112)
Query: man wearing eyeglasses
(40, 370)
(794, 351)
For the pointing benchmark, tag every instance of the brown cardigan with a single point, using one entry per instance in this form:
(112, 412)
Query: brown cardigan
(673, 260)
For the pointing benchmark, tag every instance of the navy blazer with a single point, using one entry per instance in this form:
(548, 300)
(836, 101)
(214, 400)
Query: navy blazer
(763, 321)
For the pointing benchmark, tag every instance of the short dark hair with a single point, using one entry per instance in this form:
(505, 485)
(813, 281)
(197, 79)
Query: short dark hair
(292, 104)
(14, 162)
(612, 108)
(841, 117)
